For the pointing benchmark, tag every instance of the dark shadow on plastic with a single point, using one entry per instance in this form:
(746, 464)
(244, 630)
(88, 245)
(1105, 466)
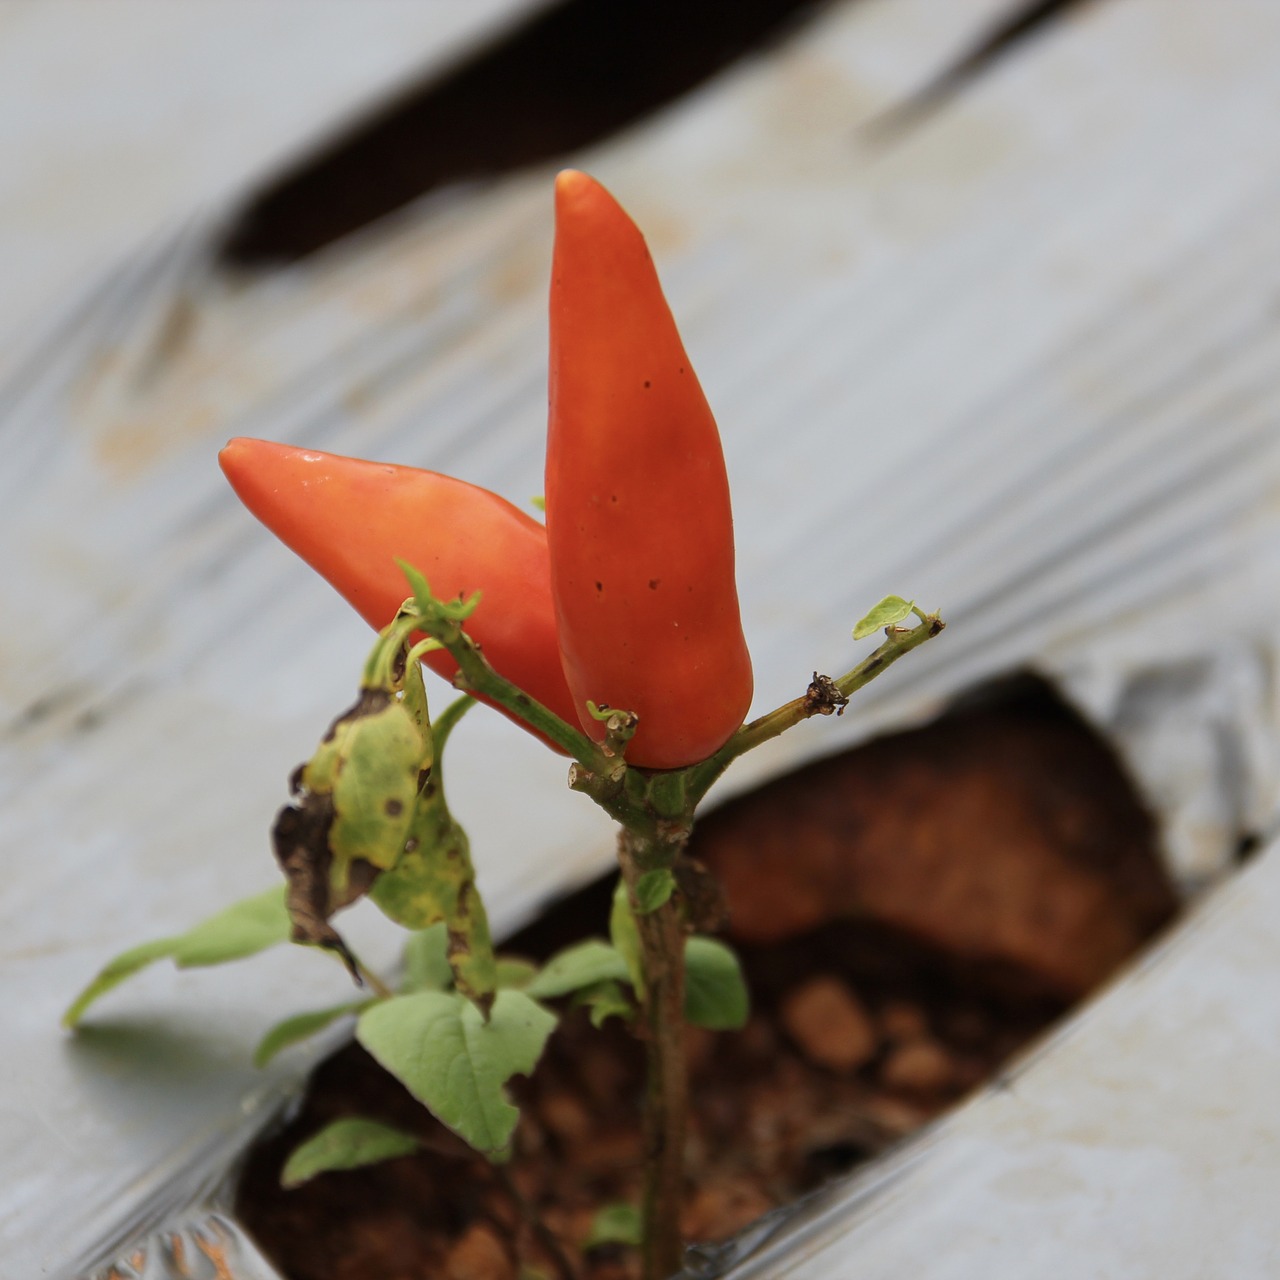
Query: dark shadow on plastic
(1013, 28)
(566, 77)
(145, 1052)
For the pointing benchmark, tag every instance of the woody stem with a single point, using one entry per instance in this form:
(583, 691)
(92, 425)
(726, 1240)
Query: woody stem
(662, 941)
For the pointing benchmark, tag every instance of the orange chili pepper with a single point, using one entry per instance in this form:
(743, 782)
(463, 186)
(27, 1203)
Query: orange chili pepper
(638, 517)
(351, 520)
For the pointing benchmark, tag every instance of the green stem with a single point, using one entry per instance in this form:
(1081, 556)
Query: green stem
(662, 939)
(375, 983)
(542, 1233)
(443, 725)
(366, 975)
(600, 770)
(476, 676)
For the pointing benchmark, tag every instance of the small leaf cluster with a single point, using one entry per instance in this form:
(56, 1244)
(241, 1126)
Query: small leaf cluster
(608, 978)
(457, 1063)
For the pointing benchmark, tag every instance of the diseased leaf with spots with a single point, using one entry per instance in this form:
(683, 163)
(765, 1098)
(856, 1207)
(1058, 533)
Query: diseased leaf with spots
(888, 613)
(438, 1045)
(370, 765)
(426, 960)
(433, 884)
(356, 798)
(426, 964)
(240, 930)
(715, 994)
(345, 1144)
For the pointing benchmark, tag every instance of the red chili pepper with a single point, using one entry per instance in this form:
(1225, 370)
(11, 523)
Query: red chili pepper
(638, 515)
(350, 520)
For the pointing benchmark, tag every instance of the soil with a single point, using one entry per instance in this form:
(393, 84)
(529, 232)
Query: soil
(909, 915)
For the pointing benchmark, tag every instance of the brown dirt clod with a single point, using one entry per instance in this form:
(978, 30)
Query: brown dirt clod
(920, 1066)
(479, 1255)
(829, 1024)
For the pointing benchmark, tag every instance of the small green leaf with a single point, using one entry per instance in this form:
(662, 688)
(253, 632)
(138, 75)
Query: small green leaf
(579, 966)
(301, 1027)
(243, 929)
(430, 606)
(888, 613)
(539, 504)
(715, 995)
(114, 972)
(426, 960)
(345, 1144)
(622, 929)
(653, 889)
(513, 972)
(439, 1046)
(418, 584)
(615, 1224)
(606, 1000)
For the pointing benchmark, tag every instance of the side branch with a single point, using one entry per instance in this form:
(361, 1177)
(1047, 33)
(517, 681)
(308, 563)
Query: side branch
(600, 770)
(476, 676)
(823, 697)
(442, 621)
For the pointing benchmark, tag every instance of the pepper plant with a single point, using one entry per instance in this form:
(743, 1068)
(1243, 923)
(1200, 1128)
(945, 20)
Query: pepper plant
(613, 634)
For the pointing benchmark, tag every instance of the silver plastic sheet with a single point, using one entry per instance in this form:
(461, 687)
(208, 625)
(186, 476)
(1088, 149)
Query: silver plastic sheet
(1019, 363)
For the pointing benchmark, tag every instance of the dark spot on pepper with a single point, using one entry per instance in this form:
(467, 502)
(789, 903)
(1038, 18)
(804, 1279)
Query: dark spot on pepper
(653, 583)
(393, 808)
(599, 586)
(647, 383)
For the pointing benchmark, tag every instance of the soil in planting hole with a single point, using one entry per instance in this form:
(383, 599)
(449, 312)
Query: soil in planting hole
(909, 914)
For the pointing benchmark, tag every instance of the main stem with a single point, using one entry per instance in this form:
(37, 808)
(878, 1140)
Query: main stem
(667, 1091)
(655, 812)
